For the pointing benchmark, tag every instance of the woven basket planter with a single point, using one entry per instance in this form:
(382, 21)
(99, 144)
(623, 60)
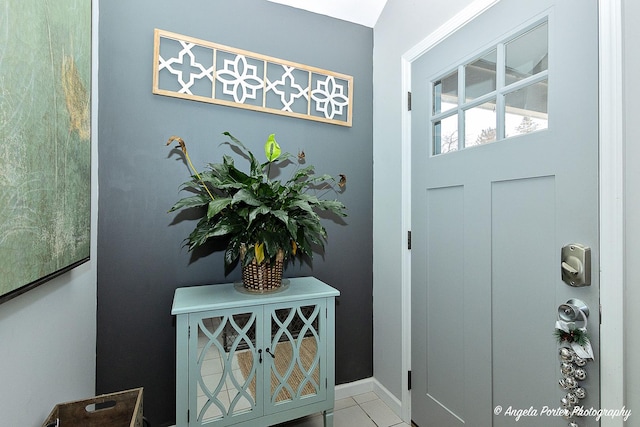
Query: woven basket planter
(262, 277)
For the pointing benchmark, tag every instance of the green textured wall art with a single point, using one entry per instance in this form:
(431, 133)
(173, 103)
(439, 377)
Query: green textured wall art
(45, 140)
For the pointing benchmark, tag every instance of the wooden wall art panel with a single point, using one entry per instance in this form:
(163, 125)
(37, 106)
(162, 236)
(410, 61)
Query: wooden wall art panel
(199, 70)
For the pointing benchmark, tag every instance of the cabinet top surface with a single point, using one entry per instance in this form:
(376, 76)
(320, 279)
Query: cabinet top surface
(211, 297)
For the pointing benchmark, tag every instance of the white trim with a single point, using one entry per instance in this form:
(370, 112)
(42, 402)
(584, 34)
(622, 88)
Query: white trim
(444, 31)
(611, 199)
(451, 26)
(388, 398)
(611, 210)
(354, 388)
(405, 273)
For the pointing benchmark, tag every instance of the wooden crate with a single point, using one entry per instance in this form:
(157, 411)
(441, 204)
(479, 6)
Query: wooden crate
(121, 409)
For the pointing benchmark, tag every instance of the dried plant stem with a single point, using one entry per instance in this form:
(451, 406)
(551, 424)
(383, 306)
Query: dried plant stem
(197, 174)
(183, 147)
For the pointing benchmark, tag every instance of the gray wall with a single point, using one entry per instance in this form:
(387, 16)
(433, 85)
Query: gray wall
(140, 256)
(417, 20)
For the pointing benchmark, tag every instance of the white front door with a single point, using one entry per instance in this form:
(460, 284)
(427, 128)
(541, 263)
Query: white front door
(504, 174)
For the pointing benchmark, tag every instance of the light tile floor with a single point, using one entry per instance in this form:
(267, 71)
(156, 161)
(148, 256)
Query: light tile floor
(364, 410)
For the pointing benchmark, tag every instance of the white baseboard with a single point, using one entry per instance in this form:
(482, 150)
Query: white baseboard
(354, 388)
(367, 385)
(387, 397)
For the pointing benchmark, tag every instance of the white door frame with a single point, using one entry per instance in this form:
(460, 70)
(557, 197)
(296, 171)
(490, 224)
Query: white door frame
(611, 176)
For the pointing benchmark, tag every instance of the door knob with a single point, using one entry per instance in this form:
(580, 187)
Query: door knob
(574, 311)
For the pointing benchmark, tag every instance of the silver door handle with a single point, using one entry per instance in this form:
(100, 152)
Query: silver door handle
(574, 310)
(569, 269)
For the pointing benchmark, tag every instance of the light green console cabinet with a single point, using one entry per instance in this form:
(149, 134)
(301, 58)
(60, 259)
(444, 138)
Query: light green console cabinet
(247, 359)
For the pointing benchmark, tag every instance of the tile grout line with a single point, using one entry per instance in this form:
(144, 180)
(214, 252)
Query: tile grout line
(367, 414)
(400, 423)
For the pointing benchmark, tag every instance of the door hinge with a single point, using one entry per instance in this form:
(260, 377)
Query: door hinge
(409, 239)
(408, 101)
(189, 332)
(408, 380)
(188, 416)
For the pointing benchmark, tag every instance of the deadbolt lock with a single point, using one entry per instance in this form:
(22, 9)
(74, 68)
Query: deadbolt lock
(576, 265)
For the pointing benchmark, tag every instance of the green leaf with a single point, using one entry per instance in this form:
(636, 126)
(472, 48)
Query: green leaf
(199, 235)
(301, 172)
(332, 205)
(190, 202)
(256, 168)
(217, 205)
(271, 148)
(302, 204)
(292, 226)
(235, 244)
(195, 185)
(260, 210)
(309, 198)
(222, 229)
(281, 215)
(246, 197)
(235, 140)
(317, 179)
(231, 254)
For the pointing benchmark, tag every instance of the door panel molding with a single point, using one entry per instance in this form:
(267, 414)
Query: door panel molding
(518, 257)
(444, 296)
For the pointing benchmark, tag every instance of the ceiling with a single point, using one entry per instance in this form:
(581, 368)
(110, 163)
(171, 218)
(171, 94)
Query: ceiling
(347, 10)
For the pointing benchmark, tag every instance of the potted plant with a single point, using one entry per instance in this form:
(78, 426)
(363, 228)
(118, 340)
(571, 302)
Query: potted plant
(265, 221)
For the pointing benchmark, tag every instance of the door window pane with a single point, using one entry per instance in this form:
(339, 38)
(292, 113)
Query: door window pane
(527, 55)
(445, 135)
(480, 76)
(480, 124)
(494, 108)
(445, 93)
(526, 110)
